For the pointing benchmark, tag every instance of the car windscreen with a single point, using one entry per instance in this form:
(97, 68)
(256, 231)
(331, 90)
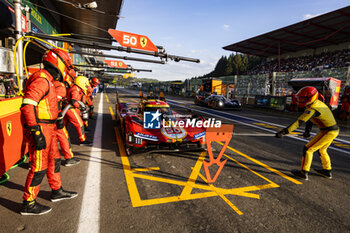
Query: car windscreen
(163, 110)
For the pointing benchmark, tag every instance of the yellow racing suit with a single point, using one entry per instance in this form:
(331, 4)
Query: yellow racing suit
(319, 114)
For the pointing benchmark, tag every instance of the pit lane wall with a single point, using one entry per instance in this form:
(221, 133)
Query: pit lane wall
(12, 146)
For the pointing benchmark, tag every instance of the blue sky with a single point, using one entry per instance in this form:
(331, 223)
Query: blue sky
(200, 28)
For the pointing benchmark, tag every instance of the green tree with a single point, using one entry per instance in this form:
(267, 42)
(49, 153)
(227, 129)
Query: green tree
(230, 67)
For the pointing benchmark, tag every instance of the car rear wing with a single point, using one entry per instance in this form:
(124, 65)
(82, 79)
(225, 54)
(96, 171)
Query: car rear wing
(152, 96)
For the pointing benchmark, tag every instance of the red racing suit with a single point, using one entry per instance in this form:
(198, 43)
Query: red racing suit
(294, 104)
(39, 107)
(345, 106)
(89, 102)
(74, 95)
(62, 134)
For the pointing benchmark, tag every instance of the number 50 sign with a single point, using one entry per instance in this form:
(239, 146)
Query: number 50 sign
(132, 40)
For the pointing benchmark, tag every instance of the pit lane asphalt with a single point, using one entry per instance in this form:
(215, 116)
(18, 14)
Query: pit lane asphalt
(160, 180)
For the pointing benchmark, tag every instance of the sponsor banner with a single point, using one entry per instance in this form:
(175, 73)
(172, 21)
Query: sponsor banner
(146, 136)
(199, 135)
(24, 20)
(116, 64)
(42, 25)
(132, 40)
(128, 75)
(209, 123)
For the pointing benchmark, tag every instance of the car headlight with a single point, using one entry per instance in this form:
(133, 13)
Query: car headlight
(221, 103)
(130, 137)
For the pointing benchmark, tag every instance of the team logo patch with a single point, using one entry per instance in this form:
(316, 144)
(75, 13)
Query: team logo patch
(9, 128)
(151, 120)
(143, 41)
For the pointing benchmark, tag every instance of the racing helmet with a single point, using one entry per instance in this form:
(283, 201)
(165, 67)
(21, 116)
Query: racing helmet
(347, 90)
(83, 83)
(306, 96)
(58, 60)
(69, 78)
(94, 82)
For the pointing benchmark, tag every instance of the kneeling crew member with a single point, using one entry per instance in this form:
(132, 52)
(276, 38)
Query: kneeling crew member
(319, 114)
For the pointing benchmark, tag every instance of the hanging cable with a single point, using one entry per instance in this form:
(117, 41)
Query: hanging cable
(24, 58)
(15, 56)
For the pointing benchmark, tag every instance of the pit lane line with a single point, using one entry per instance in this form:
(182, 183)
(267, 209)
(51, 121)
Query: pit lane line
(89, 220)
(249, 122)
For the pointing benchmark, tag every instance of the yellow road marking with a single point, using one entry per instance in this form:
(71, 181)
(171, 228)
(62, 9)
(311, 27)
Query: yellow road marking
(193, 177)
(264, 165)
(146, 169)
(235, 191)
(267, 125)
(130, 181)
(107, 98)
(112, 113)
(135, 100)
(212, 191)
(254, 172)
(221, 195)
(188, 186)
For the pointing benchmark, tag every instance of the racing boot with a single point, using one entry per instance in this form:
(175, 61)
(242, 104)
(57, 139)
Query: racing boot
(85, 143)
(301, 174)
(71, 162)
(324, 173)
(60, 194)
(34, 208)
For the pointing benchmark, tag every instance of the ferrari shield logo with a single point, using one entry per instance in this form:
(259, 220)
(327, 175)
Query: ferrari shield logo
(9, 128)
(143, 41)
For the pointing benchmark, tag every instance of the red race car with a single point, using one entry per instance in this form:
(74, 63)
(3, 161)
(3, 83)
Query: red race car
(151, 124)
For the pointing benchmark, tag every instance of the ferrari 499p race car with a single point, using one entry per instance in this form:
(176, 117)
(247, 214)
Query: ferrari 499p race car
(152, 125)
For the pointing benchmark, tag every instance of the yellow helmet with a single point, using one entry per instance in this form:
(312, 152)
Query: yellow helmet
(82, 82)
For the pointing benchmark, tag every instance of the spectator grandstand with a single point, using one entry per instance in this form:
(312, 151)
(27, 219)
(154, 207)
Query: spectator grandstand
(328, 60)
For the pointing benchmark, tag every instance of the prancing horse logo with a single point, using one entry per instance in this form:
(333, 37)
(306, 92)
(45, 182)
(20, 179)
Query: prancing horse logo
(9, 128)
(143, 42)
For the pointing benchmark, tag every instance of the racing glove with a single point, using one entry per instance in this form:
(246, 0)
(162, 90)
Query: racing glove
(60, 121)
(281, 133)
(306, 134)
(39, 138)
(83, 109)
